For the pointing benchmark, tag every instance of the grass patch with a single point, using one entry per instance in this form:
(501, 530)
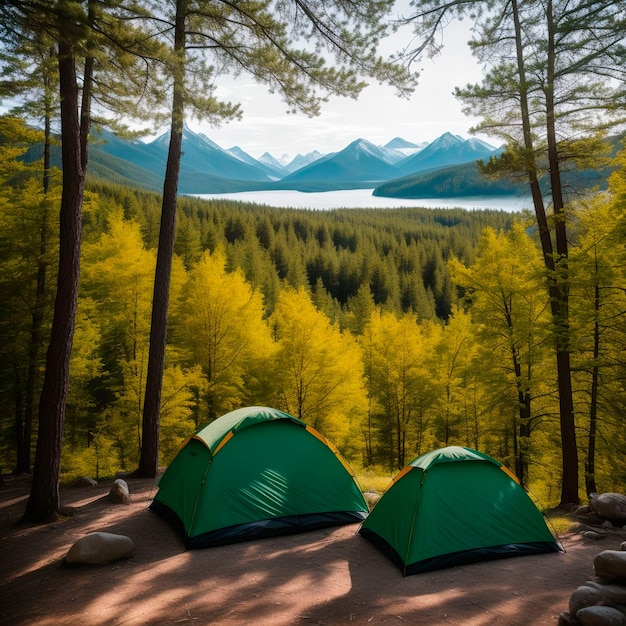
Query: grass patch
(559, 522)
(373, 479)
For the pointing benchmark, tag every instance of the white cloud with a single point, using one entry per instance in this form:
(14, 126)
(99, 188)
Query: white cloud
(377, 115)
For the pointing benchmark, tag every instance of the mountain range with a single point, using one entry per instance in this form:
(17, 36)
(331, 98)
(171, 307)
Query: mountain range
(208, 168)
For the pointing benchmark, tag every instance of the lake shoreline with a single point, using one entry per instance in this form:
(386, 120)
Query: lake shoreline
(363, 199)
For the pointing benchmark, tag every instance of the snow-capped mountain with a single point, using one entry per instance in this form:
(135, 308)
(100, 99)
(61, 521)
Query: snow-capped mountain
(403, 148)
(207, 168)
(275, 172)
(360, 161)
(273, 162)
(448, 149)
(301, 160)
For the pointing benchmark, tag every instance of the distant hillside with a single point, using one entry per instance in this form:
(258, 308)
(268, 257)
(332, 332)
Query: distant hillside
(466, 181)
(447, 182)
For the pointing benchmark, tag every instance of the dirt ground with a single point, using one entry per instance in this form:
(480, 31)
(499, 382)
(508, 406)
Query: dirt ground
(330, 576)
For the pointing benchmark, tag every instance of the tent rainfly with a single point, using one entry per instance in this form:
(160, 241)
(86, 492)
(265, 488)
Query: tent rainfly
(256, 472)
(454, 506)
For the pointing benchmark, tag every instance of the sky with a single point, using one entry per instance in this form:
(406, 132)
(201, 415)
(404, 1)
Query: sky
(378, 115)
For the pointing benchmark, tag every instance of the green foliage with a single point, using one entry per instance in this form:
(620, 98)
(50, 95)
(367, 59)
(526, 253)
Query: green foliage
(448, 182)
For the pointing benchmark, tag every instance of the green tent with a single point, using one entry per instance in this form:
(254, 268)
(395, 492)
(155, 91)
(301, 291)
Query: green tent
(454, 506)
(256, 472)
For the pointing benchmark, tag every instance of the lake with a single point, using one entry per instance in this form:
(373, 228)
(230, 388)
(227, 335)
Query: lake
(363, 199)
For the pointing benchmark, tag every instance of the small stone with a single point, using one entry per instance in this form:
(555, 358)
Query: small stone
(610, 564)
(87, 481)
(601, 616)
(120, 494)
(622, 546)
(607, 524)
(565, 619)
(371, 498)
(594, 535)
(98, 548)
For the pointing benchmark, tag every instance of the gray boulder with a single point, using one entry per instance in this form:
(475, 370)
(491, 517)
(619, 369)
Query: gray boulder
(610, 564)
(610, 506)
(601, 616)
(584, 596)
(612, 595)
(98, 548)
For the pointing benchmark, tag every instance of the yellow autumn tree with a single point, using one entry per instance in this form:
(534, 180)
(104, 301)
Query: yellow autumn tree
(400, 387)
(317, 371)
(116, 294)
(218, 326)
(512, 332)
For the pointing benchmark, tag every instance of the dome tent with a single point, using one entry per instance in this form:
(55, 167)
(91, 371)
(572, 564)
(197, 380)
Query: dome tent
(454, 506)
(256, 472)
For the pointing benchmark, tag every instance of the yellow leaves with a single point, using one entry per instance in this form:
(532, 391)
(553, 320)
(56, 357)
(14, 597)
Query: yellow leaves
(119, 272)
(219, 325)
(617, 180)
(317, 368)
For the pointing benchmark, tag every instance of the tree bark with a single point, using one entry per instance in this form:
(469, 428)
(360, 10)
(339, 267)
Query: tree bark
(149, 458)
(24, 449)
(556, 286)
(590, 465)
(569, 483)
(44, 501)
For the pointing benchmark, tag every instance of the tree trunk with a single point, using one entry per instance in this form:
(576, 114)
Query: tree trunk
(24, 452)
(149, 458)
(44, 500)
(569, 484)
(590, 465)
(558, 298)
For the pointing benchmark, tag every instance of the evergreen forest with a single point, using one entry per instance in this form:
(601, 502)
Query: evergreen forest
(391, 331)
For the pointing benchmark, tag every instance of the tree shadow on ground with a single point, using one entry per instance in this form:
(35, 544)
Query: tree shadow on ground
(329, 576)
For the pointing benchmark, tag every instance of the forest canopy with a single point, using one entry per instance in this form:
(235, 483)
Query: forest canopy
(392, 331)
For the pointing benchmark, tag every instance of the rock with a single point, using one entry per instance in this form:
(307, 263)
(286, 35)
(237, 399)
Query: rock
(593, 534)
(607, 524)
(601, 616)
(622, 546)
(371, 498)
(86, 481)
(609, 505)
(583, 509)
(120, 494)
(565, 619)
(610, 564)
(584, 596)
(613, 595)
(98, 548)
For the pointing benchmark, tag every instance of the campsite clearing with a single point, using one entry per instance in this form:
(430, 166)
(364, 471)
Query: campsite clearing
(329, 576)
